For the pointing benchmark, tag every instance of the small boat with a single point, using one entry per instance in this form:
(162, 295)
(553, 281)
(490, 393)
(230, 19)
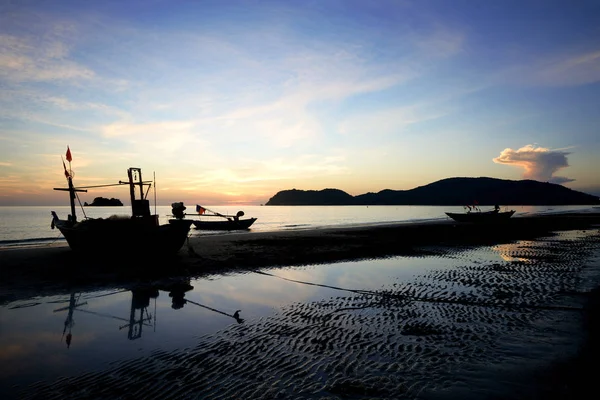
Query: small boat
(477, 216)
(225, 223)
(139, 233)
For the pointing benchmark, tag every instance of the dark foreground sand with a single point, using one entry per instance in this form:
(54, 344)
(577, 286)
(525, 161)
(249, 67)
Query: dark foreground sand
(364, 351)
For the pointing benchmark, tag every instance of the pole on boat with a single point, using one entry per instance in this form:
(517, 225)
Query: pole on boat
(131, 190)
(69, 158)
(72, 192)
(154, 189)
(139, 170)
(72, 199)
(71, 189)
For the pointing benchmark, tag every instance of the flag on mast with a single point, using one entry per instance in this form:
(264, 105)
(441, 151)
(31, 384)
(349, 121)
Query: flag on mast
(68, 156)
(200, 209)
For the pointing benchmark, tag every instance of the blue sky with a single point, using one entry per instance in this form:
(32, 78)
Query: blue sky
(232, 101)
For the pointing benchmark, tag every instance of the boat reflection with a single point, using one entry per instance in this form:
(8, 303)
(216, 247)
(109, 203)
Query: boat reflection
(70, 322)
(140, 300)
(140, 317)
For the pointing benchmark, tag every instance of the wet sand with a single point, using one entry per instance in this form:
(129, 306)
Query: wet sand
(526, 327)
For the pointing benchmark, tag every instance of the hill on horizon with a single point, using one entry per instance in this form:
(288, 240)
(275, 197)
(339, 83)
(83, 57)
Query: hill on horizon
(446, 192)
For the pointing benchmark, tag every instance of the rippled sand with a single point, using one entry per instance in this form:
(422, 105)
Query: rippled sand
(481, 327)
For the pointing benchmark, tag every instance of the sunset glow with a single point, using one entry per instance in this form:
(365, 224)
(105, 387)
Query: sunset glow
(231, 102)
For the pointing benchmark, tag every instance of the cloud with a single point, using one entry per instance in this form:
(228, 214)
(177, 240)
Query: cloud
(539, 163)
(34, 59)
(556, 70)
(442, 42)
(389, 121)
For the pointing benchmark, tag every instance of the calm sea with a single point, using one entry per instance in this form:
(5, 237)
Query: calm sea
(30, 226)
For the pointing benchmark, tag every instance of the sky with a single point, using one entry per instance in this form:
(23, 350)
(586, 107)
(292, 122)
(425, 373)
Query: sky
(230, 102)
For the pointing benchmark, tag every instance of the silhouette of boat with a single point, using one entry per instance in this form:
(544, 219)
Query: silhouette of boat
(140, 232)
(482, 216)
(222, 222)
(226, 225)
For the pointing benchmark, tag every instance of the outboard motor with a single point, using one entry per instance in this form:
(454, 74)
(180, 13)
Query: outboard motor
(178, 210)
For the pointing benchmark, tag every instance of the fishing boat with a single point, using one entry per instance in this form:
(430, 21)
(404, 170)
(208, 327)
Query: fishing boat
(139, 233)
(221, 222)
(475, 215)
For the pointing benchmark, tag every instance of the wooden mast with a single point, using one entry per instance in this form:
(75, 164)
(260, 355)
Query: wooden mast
(71, 189)
(72, 199)
(131, 190)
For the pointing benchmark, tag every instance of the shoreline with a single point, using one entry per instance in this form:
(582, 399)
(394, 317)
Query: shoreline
(51, 267)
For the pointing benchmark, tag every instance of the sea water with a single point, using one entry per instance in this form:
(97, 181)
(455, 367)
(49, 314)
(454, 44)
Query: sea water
(31, 225)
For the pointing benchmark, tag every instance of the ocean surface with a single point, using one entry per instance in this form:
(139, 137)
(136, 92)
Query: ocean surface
(30, 226)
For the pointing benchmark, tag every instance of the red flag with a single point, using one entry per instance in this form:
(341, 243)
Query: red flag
(68, 157)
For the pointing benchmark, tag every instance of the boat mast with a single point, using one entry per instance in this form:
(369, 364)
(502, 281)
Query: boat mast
(72, 199)
(132, 184)
(71, 189)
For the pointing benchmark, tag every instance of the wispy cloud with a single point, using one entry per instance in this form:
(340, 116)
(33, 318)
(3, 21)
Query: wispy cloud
(539, 163)
(441, 42)
(574, 69)
(26, 59)
(391, 121)
(566, 68)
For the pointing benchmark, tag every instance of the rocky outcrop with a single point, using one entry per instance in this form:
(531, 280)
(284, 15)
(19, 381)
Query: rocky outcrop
(104, 202)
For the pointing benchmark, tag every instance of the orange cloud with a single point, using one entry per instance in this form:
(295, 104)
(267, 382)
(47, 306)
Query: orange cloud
(539, 163)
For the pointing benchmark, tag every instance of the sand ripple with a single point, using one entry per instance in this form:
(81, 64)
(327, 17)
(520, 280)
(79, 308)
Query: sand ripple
(476, 328)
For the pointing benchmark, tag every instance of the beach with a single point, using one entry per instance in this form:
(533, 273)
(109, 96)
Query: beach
(208, 254)
(521, 326)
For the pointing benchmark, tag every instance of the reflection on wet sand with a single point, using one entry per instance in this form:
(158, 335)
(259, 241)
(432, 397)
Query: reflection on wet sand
(520, 251)
(470, 324)
(235, 315)
(70, 322)
(139, 315)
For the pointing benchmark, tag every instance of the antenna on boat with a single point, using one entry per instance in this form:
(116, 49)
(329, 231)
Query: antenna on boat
(154, 188)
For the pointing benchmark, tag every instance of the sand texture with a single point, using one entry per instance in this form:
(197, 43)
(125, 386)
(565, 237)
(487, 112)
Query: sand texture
(520, 328)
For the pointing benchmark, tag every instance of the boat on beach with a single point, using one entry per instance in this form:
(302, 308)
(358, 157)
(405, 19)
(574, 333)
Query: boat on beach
(139, 233)
(475, 215)
(221, 222)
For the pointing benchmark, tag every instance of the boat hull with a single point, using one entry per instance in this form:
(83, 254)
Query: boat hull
(481, 217)
(225, 225)
(125, 236)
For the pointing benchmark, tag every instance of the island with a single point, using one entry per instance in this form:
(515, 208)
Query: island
(445, 192)
(104, 202)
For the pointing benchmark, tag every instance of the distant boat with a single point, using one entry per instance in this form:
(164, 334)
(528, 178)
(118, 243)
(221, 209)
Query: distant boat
(482, 216)
(139, 234)
(222, 222)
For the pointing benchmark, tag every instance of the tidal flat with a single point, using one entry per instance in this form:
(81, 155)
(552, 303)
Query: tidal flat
(504, 320)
